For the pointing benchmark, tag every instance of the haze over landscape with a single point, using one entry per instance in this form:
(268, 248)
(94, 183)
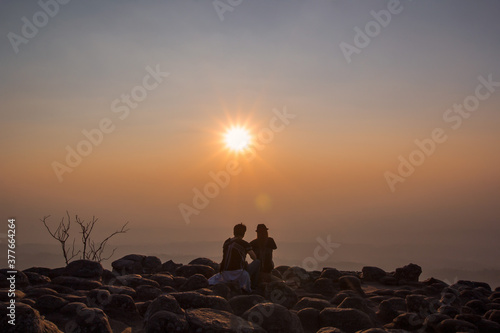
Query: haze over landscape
(374, 126)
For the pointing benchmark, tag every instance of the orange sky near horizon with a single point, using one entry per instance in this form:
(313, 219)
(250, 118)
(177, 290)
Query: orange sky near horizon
(323, 171)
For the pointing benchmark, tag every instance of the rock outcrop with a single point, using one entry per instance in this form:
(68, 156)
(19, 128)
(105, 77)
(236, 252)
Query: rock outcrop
(142, 294)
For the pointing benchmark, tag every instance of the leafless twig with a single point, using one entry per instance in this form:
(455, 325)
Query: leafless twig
(61, 234)
(91, 250)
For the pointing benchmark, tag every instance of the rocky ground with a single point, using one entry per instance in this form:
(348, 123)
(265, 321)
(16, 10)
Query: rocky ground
(142, 294)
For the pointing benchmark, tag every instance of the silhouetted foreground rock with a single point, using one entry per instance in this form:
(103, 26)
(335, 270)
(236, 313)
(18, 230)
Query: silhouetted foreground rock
(142, 294)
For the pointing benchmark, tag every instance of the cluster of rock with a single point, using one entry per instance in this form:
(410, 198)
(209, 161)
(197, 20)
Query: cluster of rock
(142, 294)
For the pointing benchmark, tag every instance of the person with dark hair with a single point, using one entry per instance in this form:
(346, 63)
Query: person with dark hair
(263, 246)
(234, 266)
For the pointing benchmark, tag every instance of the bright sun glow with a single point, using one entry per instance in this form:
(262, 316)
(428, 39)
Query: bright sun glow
(237, 138)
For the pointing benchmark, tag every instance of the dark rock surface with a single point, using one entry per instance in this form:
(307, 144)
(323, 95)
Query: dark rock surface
(240, 304)
(408, 273)
(373, 274)
(84, 269)
(210, 320)
(190, 270)
(274, 318)
(142, 294)
(348, 320)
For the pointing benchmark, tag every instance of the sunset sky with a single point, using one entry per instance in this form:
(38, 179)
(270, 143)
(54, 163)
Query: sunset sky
(203, 69)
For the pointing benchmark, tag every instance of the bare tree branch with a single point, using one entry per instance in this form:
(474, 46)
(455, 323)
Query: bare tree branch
(61, 234)
(91, 250)
(98, 250)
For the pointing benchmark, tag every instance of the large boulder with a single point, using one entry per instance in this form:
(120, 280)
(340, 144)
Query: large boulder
(165, 321)
(163, 303)
(406, 321)
(448, 310)
(357, 303)
(39, 270)
(453, 325)
(389, 280)
(130, 264)
(206, 262)
(136, 264)
(224, 290)
(36, 292)
(338, 298)
(240, 304)
(194, 300)
(432, 321)
(195, 282)
(169, 267)
(478, 307)
(117, 306)
(296, 276)
(493, 315)
(84, 269)
(36, 279)
(278, 292)
(487, 326)
(273, 318)
(332, 330)
(163, 279)
(418, 304)
(310, 302)
(27, 320)
(461, 284)
(309, 318)
(151, 264)
(391, 308)
(135, 280)
(331, 273)
(373, 274)
(89, 320)
(349, 282)
(323, 286)
(55, 272)
(408, 273)
(120, 290)
(146, 293)
(98, 298)
(210, 320)
(76, 283)
(72, 308)
(348, 320)
(49, 303)
(190, 270)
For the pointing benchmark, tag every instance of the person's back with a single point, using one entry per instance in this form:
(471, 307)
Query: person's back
(234, 253)
(263, 247)
(233, 266)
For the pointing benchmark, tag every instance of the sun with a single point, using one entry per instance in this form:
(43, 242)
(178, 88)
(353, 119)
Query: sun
(237, 139)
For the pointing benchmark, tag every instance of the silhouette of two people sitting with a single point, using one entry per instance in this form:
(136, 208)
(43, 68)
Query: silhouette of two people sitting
(234, 267)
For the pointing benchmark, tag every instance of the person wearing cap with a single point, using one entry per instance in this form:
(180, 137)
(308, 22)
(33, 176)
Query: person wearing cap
(263, 247)
(234, 267)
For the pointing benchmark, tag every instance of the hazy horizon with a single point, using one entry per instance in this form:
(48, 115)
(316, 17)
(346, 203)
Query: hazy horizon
(445, 265)
(381, 137)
